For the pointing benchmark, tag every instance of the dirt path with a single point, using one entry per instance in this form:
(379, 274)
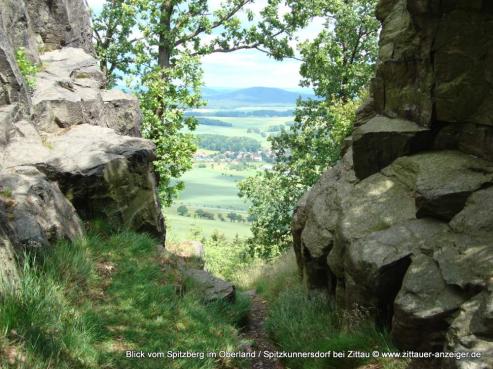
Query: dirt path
(257, 333)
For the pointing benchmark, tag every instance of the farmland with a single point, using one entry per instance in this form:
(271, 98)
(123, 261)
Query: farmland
(212, 186)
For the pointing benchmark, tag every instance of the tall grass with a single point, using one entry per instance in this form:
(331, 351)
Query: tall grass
(300, 323)
(83, 304)
(37, 315)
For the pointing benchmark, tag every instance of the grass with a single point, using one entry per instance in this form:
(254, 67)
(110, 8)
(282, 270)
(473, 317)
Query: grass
(214, 186)
(84, 304)
(298, 323)
(180, 228)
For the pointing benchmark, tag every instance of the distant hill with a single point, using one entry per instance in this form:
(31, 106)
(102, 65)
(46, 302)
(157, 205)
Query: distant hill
(214, 122)
(253, 96)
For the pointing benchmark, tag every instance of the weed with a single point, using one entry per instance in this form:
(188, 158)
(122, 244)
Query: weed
(6, 192)
(27, 68)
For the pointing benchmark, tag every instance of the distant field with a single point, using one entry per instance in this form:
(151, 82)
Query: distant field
(214, 187)
(180, 228)
(241, 125)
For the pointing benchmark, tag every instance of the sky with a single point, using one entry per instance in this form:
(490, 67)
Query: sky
(247, 68)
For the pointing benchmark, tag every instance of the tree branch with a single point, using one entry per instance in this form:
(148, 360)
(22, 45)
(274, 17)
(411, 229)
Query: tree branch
(216, 24)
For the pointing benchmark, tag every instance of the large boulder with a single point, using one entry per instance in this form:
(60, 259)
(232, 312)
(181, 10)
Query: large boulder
(36, 211)
(410, 236)
(381, 140)
(476, 217)
(376, 264)
(212, 288)
(423, 306)
(471, 333)
(442, 181)
(65, 148)
(475, 139)
(105, 175)
(122, 112)
(437, 284)
(315, 221)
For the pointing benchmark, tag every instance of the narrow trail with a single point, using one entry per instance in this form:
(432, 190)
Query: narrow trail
(257, 333)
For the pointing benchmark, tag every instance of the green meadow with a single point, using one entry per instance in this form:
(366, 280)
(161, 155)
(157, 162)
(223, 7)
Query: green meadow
(214, 189)
(214, 186)
(182, 228)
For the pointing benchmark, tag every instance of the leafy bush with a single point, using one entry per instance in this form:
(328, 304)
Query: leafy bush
(223, 258)
(182, 210)
(27, 68)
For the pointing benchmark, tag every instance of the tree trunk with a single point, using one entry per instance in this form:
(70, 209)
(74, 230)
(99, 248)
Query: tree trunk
(165, 44)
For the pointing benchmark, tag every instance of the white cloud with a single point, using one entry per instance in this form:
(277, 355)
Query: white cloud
(249, 68)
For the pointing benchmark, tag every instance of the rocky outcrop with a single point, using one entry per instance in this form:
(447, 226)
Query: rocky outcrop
(402, 225)
(61, 23)
(69, 93)
(69, 149)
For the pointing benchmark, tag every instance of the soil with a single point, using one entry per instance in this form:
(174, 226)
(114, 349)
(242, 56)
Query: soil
(257, 334)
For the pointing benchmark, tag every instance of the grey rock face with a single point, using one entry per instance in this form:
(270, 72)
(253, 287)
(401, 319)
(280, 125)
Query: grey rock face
(106, 175)
(7, 116)
(35, 209)
(214, 289)
(65, 149)
(102, 173)
(381, 140)
(61, 23)
(12, 86)
(9, 276)
(407, 231)
(122, 112)
(442, 180)
(69, 93)
(15, 23)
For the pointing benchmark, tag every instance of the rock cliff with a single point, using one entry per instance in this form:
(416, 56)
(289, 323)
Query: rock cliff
(69, 149)
(403, 224)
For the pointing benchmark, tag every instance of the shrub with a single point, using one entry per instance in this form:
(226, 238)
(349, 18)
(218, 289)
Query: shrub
(27, 68)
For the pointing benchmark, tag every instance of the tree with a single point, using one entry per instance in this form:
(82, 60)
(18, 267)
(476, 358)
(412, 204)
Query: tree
(337, 64)
(113, 29)
(182, 210)
(159, 44)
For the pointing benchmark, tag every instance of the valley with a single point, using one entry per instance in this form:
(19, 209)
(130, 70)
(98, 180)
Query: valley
(232, 145)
